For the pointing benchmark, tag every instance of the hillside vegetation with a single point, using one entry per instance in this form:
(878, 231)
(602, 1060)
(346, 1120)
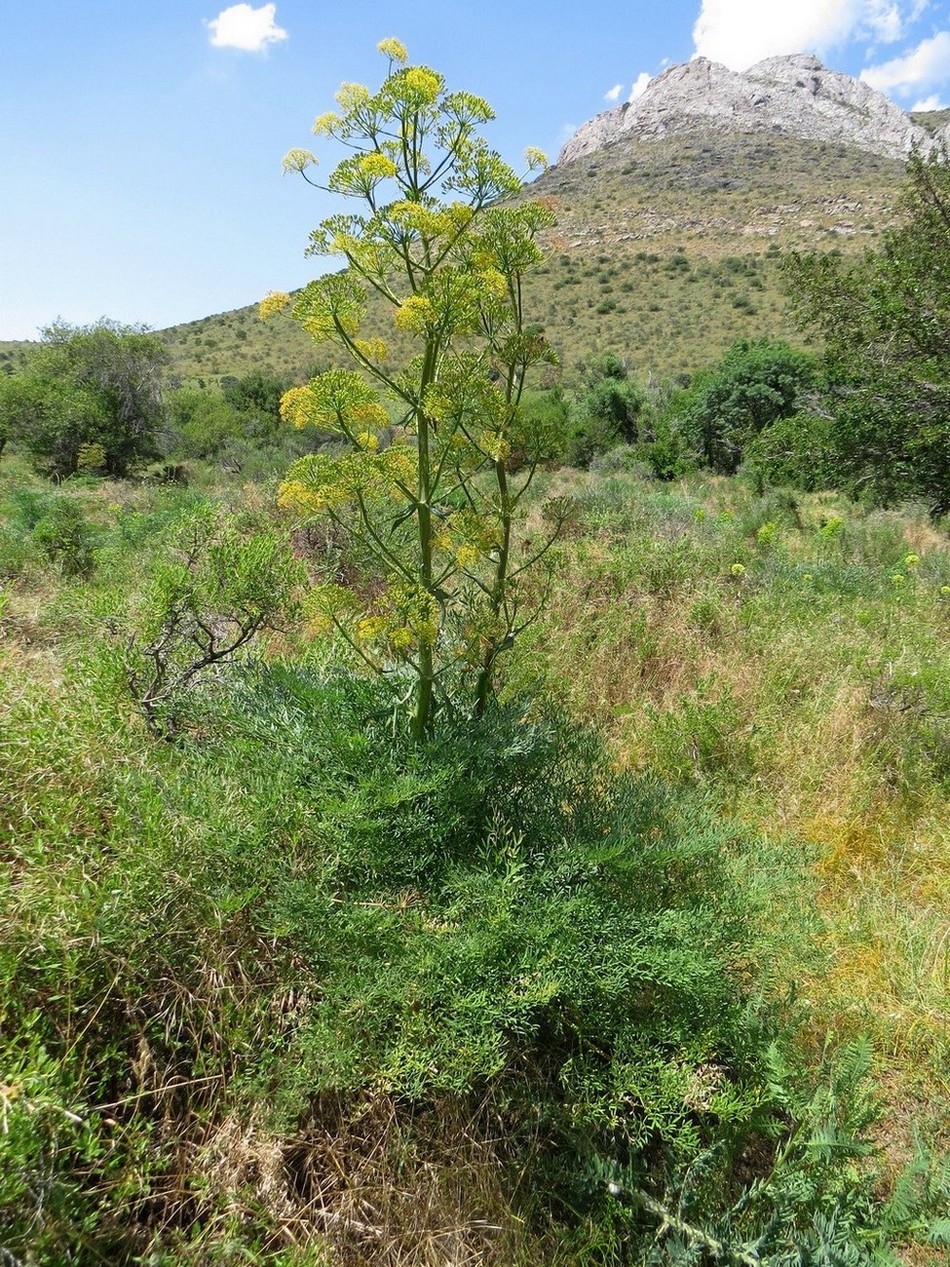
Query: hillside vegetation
(665, 252)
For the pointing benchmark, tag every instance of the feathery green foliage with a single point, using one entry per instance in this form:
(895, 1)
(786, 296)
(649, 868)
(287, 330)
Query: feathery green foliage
(435, 240)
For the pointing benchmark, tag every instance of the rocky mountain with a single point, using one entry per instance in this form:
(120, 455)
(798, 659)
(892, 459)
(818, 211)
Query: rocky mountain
(788, 96)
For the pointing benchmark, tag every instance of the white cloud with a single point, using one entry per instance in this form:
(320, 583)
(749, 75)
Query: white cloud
(933, 102)
(742, 32)
(885, 20)
(926, 66)
(250, 30)
(614, 93)
(639, 87)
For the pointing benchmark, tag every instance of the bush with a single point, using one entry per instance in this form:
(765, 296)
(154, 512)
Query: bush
(607, 414)
(210, 595)
(66, 538)
(311, 906)
(218, 953)
(755, 384)
(797, 450)
(87, 386)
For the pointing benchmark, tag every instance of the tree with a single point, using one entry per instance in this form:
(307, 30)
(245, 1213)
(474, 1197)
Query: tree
(199, 423)
(885, 322)
(754, 385)
(442, 247)
(607, 414)
(256, 398)
(92, 388)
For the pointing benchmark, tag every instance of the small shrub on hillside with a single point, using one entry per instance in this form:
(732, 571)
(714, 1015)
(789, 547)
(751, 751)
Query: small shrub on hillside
(213, 593)
(796, 451)
(66, 538)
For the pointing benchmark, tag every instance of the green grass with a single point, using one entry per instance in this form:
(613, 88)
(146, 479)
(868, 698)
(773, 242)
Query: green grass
(791, 657)
(289, 990)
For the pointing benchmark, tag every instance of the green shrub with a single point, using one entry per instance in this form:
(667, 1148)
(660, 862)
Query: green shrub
(725, 407)
(796, 451)
(66, 538)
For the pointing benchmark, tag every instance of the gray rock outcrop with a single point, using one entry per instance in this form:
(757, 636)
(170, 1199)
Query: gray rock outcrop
(792, 95)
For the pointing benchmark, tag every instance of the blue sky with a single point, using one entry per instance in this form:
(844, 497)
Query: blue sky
(141, 142)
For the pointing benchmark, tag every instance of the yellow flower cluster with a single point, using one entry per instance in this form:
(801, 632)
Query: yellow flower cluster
(295, 495)
(298, 160)
(424, 84)
(377, 166)
(297, 406)
(351, 97)
(272, 303)
(535, 158)
(468, 537)
(394, 49)
(414, 611)
(325, 124)
(495, 445)
(373, 349)
(371, 629)
(493, 284)
(415, 314)
(318, 482)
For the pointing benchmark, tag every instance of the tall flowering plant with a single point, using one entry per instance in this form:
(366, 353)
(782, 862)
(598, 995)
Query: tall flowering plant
(434, 231)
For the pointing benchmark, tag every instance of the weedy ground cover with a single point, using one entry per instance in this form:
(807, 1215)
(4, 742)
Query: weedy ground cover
(290, 990)
(790, 656)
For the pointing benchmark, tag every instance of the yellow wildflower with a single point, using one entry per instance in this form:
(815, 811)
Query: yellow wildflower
(415, 314)
(737, 569)
(370, 629)
(495, 445)
(377, 166)
(350, 97)
(272, 303)
(294, 495)
(401, 638)
(296, 406)
(324, 124)
(423, 83)
(298, 160)
(372, 349)
(394, 49)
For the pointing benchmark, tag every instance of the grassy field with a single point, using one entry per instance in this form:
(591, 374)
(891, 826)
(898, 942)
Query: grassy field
(775, 668)
(789, 655)
(650, 963)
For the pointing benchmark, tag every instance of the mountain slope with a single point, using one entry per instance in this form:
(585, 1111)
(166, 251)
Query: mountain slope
(781, 96)
(673, 214)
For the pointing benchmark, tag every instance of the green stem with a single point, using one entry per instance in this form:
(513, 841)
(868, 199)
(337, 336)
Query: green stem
(498, 591)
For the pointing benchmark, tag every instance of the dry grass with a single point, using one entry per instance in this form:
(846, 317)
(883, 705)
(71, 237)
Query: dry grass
(781, 701)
